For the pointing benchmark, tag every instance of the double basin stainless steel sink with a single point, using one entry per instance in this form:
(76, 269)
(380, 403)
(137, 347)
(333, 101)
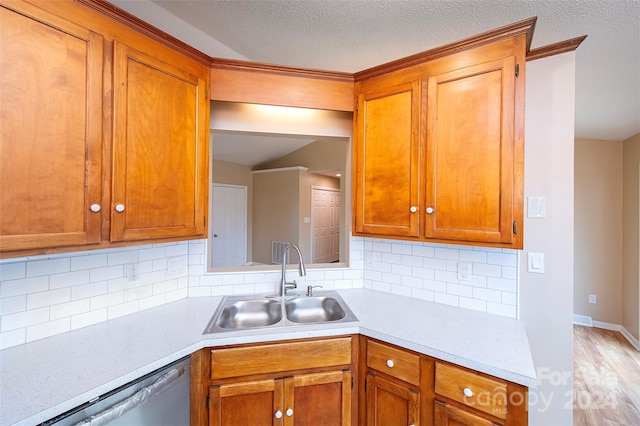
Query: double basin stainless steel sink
(247, 312)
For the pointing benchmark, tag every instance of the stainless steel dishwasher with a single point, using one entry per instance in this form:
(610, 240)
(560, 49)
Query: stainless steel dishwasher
(160, 398)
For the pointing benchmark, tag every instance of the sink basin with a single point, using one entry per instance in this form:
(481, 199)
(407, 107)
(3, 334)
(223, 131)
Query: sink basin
(236, 313)
(314, 309)
(249, 313)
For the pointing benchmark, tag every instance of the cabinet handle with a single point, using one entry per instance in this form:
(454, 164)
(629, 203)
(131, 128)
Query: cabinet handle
(430, 210)
(95, 208)
(413, 209)
(468, 392)
(390, 363)
(119, 208)
(278, 414)
(289, 412)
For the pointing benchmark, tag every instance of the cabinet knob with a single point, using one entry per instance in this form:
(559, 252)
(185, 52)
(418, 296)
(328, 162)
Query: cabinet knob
(95, 208)
(278, 414)
(413, 209)
(468, 392)
(430, 210)
(390, 363)
(119, 208)
(289, 412)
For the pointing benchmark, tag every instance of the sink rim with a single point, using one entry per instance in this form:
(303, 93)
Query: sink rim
(213, 328)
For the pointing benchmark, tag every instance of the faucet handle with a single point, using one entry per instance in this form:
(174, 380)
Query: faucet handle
(310, 289)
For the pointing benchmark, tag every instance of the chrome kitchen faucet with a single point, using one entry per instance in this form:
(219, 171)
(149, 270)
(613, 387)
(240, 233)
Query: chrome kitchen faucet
(284, 285)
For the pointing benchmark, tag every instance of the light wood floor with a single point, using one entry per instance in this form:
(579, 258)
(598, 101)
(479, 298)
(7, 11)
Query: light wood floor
(606, 381)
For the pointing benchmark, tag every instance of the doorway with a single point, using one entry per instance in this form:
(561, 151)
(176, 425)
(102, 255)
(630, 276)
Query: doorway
(325, 225)
(228, 225)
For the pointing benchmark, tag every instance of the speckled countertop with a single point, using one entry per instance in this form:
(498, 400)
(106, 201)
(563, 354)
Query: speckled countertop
(42, 379)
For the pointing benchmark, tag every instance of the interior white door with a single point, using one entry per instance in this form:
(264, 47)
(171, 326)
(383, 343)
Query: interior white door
(325, 225)
(228, 225)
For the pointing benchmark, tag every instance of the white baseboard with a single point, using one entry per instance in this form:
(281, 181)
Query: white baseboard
(582, 320)
(587, 321)
(634, 342)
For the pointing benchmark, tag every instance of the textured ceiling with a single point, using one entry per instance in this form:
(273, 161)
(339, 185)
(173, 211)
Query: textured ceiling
(352, 35)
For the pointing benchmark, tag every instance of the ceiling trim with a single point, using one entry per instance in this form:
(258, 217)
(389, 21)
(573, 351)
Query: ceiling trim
(125, 18)
(526, 26)
(248, 66)
(555, 48)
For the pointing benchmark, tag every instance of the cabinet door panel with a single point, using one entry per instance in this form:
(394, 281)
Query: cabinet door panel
(390, 404)
(51, 134)
(470, 153)
(319, 399)
(160, 148)
(246, 404)
(386, 161)
(447, 415)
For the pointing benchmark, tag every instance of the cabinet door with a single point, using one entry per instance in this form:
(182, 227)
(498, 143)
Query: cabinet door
(391, 404)
(386, 161)
(470, 153)
(448, 415)
(160, 165)
(318, 399)
(252, 403)
(51, 134)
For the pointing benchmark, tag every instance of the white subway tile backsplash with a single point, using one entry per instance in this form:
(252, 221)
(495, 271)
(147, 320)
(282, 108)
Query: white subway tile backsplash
(13, 338)
(47, 329)
(505, 259)
(69, 279)
(23, 286)
(106, 300)
(13, 271)
(89, 290)
(47, 267)
(123, 309)
(70, 309)
(89, 261)
(24, 319)
(45, 295)
(11, 305)
(106, 273)
(48, 298)
(89, 318)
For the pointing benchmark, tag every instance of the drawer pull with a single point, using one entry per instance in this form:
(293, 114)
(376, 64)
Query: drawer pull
(390, 363)
(278, 414)
(468, 392)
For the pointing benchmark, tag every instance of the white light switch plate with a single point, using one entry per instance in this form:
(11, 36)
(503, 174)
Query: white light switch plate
(536, 263)
(536, 207)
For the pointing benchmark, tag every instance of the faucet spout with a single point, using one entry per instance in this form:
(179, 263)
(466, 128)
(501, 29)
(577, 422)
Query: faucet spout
(284, 285)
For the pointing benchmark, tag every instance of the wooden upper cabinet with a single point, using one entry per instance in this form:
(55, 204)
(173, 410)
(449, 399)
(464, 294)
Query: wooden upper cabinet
(51, 132)
(439, 143)
(470, 153)
(160, 148)
(386, 156)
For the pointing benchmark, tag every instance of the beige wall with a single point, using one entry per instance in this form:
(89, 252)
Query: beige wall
(631, 214)
(275, 211)
(598, 229)
(546, 300)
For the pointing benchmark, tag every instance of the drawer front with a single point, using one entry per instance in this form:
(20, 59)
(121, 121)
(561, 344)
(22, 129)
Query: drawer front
(472, 389)
(279, 357)
(394, 362)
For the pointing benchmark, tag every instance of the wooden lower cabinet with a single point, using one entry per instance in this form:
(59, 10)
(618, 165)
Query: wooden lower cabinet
(313, 382)
(391, 402)
(307, 399)
(299, 382)
(448, 415)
